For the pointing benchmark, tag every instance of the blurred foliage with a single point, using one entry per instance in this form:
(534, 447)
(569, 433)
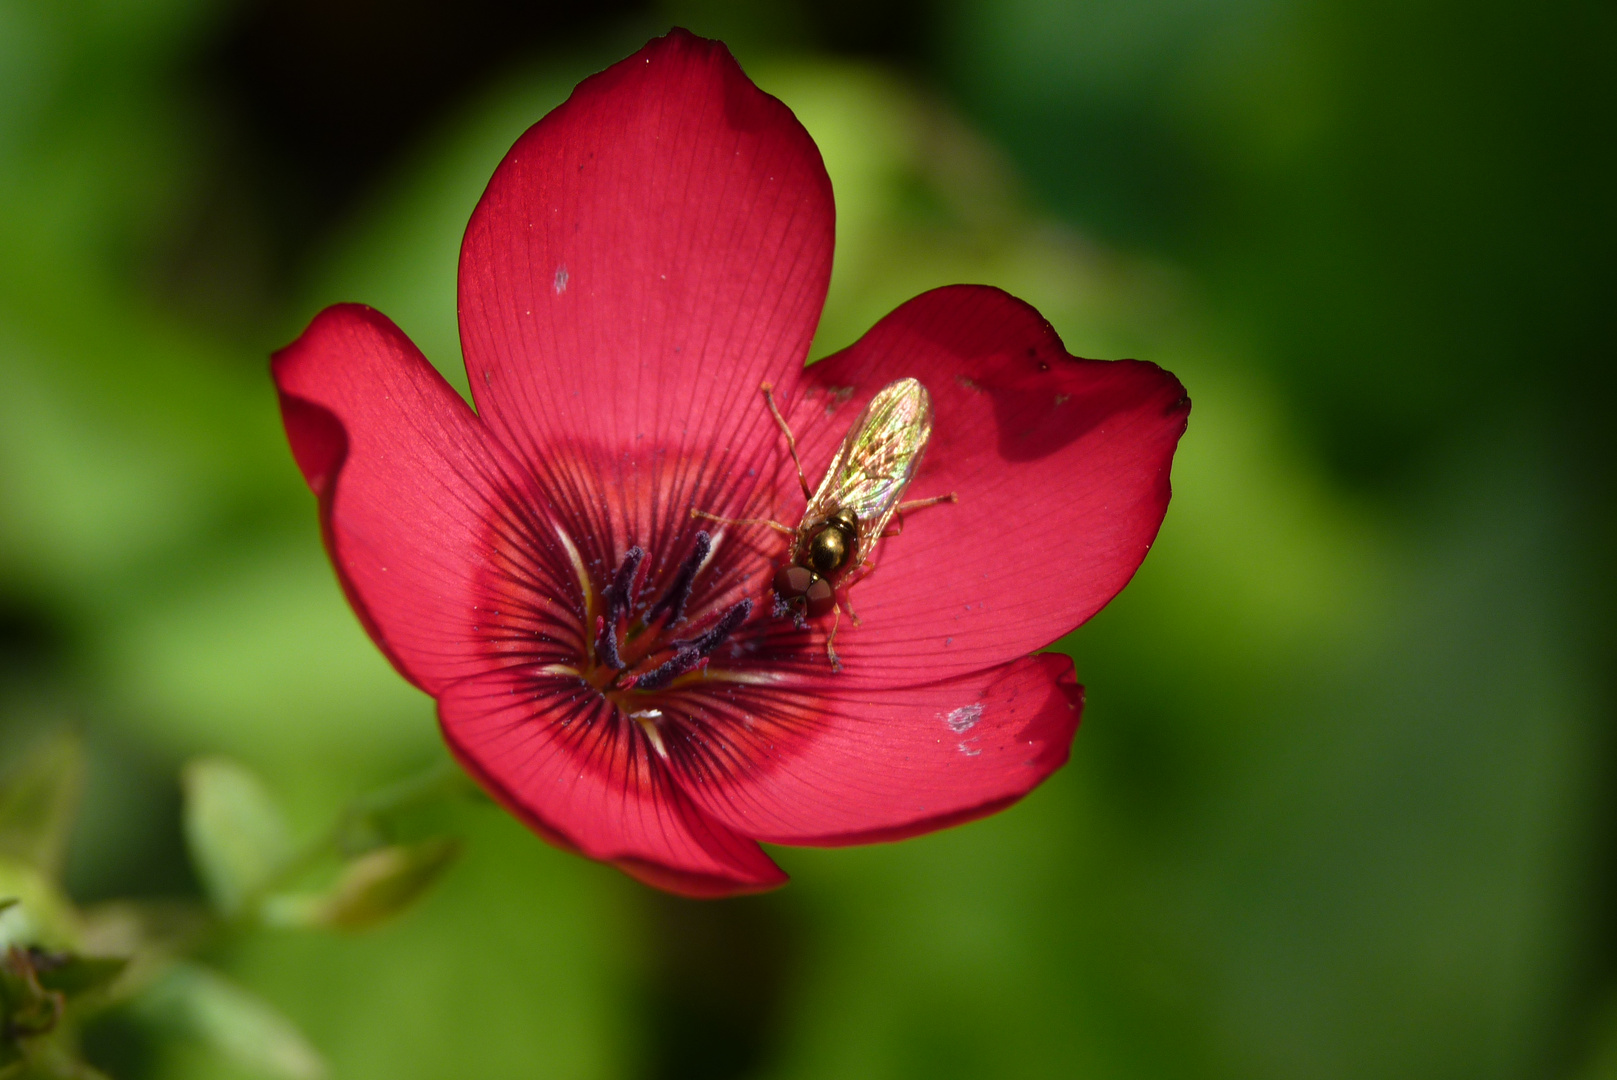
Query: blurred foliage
(1339, 804)
(237, 836)
(61, 965)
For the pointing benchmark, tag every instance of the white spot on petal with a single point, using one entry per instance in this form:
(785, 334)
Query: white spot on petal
(561, 280)
(963, 719)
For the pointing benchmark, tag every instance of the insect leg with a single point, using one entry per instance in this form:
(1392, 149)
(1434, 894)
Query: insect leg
(791, 440)
(830, 639)
(858, 574)
(777, 526)
(916, 504)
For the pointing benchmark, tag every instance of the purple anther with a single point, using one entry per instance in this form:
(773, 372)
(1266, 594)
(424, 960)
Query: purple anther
(667, 671)
(679, 591)
(692, 654)
(617, 593)
(714, 635)
(617, 603)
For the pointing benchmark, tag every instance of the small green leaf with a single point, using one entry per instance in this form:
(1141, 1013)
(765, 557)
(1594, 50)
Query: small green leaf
(381, 884)
(199, 1003)
(38, 801)
(372, 888)
(237, 836)
(33, 911)
(78, 975)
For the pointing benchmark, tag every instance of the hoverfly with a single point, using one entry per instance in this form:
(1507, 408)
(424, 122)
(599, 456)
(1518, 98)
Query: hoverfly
(856, 499)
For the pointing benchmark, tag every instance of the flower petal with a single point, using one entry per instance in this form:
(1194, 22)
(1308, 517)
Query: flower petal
(1060, 464)
(642, 258)
(407, 478)
(850, 767)
(588, 779)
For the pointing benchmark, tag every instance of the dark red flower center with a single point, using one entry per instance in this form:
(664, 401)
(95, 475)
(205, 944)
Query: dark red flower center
(635, 648)
(661, 641)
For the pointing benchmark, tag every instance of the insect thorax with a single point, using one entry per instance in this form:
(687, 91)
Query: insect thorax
(829, 545)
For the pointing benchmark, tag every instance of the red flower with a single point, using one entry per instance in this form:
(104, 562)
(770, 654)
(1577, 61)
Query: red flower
(643, 259)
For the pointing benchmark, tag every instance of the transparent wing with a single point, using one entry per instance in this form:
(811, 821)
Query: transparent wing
(876, 461)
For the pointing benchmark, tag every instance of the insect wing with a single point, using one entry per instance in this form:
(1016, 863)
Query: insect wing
(876, 461)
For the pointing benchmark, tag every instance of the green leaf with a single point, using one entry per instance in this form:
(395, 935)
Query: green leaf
(196, 1002)
(237, 835)
(53, 1060)
(33, 910)
(78, 975)
(373, 888)
(38, 801)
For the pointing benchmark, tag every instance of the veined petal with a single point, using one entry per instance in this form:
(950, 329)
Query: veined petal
(408, 482)
(842, 766)
(1060, 464)
(575, 769)
(643, 257)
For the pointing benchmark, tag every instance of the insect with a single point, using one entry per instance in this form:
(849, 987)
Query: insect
(850, 510)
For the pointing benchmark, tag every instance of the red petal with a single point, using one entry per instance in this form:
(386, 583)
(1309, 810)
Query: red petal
(854, 768)
(642, 258)
(584, 777)
(406, 476)
(1061, 466)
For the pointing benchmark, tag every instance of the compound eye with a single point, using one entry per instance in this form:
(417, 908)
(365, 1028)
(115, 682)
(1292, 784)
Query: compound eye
(828, 551)
(793, 581)
(821, 598)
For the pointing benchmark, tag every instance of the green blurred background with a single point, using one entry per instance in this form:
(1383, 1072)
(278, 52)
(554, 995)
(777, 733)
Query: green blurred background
(1340, 804)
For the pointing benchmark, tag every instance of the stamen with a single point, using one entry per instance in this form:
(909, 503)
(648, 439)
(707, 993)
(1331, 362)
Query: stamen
(617, 594)
(688, 656)
(617, 603)
(710, 639)
(660, 676)
(679, 592)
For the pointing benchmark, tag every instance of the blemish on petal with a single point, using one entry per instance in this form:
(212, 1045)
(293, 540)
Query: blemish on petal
(965, 718)
(561, 280)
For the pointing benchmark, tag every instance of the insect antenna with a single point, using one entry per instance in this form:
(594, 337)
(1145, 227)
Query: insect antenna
(791, 440)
